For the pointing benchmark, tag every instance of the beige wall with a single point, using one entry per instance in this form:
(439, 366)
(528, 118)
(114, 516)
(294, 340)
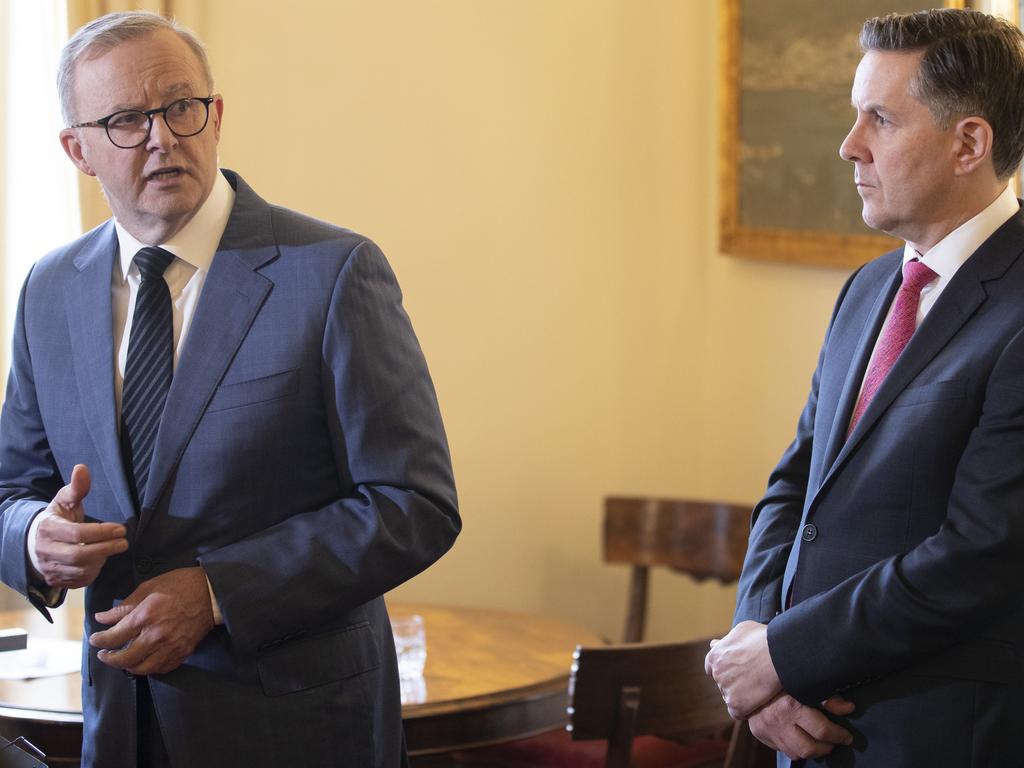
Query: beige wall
(542, 176)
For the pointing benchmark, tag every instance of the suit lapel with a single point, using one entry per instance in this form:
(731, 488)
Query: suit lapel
(92, 354)
(941, 324)
(958, 302)
(859, 364)
(232, 296)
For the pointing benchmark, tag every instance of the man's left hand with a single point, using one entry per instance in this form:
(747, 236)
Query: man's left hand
(158, 625)
(742, 666)
(800, 732)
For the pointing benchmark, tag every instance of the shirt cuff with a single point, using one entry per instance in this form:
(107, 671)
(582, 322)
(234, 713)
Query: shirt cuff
(50, 596)
(217, 618)
(30, 543)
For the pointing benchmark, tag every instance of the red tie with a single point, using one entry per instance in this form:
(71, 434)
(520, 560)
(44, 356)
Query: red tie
(897, 332)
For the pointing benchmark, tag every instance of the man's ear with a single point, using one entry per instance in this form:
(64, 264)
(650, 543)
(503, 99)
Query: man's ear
(73, 149)
(218, 114)
(973, 145)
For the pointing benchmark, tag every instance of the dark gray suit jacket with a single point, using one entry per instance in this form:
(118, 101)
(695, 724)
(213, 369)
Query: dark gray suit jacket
(301, 460)
(903, 547)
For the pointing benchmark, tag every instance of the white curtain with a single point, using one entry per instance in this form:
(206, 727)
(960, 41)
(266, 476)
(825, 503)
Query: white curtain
(39, 202)
(39, 193)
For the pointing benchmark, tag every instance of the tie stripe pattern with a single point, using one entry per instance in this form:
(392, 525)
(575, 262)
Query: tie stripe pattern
(896, 334)
(148, 370)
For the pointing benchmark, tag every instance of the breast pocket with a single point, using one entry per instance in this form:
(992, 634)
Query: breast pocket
(254, 391)
(953, 389)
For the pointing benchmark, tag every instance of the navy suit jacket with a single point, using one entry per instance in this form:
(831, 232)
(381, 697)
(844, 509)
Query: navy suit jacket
(301, 460)
(903, 546)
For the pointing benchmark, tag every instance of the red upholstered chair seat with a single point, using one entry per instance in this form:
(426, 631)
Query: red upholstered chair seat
(558, 750)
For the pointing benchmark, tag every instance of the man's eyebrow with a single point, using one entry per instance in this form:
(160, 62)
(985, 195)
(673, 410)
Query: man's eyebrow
(871, 106)
(169, 94)
(177, 88)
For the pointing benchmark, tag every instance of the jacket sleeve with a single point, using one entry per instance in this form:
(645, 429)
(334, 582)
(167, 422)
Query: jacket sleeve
(29, 477)
(401, 513)
(905, 608)
(777, 516)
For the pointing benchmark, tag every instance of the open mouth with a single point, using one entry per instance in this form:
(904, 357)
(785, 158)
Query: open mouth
(165, 174)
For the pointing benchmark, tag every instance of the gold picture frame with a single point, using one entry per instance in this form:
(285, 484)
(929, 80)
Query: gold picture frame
(785, 195)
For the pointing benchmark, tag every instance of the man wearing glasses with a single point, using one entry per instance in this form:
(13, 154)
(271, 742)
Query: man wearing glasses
(219, 422)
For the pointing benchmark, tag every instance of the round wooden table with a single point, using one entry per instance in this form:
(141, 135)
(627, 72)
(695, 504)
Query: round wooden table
(490, 676)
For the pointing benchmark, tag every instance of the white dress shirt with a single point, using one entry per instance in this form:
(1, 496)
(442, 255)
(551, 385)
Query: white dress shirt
(194, 247)
(951, 252)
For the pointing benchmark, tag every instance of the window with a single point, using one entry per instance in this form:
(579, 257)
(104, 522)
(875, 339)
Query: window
(39, 196)
(39, 192)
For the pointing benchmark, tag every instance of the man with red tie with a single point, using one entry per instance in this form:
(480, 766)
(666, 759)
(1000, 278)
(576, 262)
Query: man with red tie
(879, 619)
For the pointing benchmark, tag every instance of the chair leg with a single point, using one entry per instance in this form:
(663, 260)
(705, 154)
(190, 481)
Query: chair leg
(637, 614)
(620, 745)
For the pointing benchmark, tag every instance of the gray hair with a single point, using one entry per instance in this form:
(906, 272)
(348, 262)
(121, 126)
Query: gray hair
(107, 32)
(971, 64)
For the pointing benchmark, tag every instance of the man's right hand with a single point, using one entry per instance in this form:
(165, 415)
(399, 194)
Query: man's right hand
(70, 552)
(800, 732)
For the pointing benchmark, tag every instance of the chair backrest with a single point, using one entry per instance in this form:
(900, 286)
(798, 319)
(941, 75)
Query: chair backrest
(704, 539)
(619, 692)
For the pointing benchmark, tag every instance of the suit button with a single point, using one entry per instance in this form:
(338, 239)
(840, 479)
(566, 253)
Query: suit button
(810, 532)
(143, 565)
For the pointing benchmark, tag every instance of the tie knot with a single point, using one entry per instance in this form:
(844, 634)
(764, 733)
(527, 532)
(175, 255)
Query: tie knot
(152, 262)
(916, 276)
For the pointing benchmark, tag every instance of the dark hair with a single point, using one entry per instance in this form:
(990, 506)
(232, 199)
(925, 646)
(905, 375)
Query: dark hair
(972, 64)
(105, 33)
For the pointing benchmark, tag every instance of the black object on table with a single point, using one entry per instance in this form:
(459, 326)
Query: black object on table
(20, 753)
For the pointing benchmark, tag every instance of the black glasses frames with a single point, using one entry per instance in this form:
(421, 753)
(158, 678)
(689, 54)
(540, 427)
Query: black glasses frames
(130, 128)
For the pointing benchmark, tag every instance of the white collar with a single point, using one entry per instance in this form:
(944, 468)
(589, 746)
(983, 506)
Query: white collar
(197, 241)
(950, 253)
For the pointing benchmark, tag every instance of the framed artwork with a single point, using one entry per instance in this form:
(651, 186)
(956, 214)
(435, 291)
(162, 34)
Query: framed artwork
(787, 68)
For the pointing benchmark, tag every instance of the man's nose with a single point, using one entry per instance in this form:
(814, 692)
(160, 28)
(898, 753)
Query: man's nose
(853, 147)
(161, 137)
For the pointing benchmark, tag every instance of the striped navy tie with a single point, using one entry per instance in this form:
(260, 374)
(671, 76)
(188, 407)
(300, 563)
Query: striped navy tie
(147, 373)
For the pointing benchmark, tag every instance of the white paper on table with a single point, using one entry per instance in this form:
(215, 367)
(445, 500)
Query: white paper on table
(44, 657)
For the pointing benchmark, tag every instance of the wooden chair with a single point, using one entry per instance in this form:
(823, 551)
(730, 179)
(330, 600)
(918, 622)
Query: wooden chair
(620, 692)
(651, 705)
(704, 539)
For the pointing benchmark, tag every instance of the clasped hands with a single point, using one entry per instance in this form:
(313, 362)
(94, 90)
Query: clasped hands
(741, 665)
(155, 628)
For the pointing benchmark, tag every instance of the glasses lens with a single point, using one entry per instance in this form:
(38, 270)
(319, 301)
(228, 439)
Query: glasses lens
(186, 117)
(128, 129)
